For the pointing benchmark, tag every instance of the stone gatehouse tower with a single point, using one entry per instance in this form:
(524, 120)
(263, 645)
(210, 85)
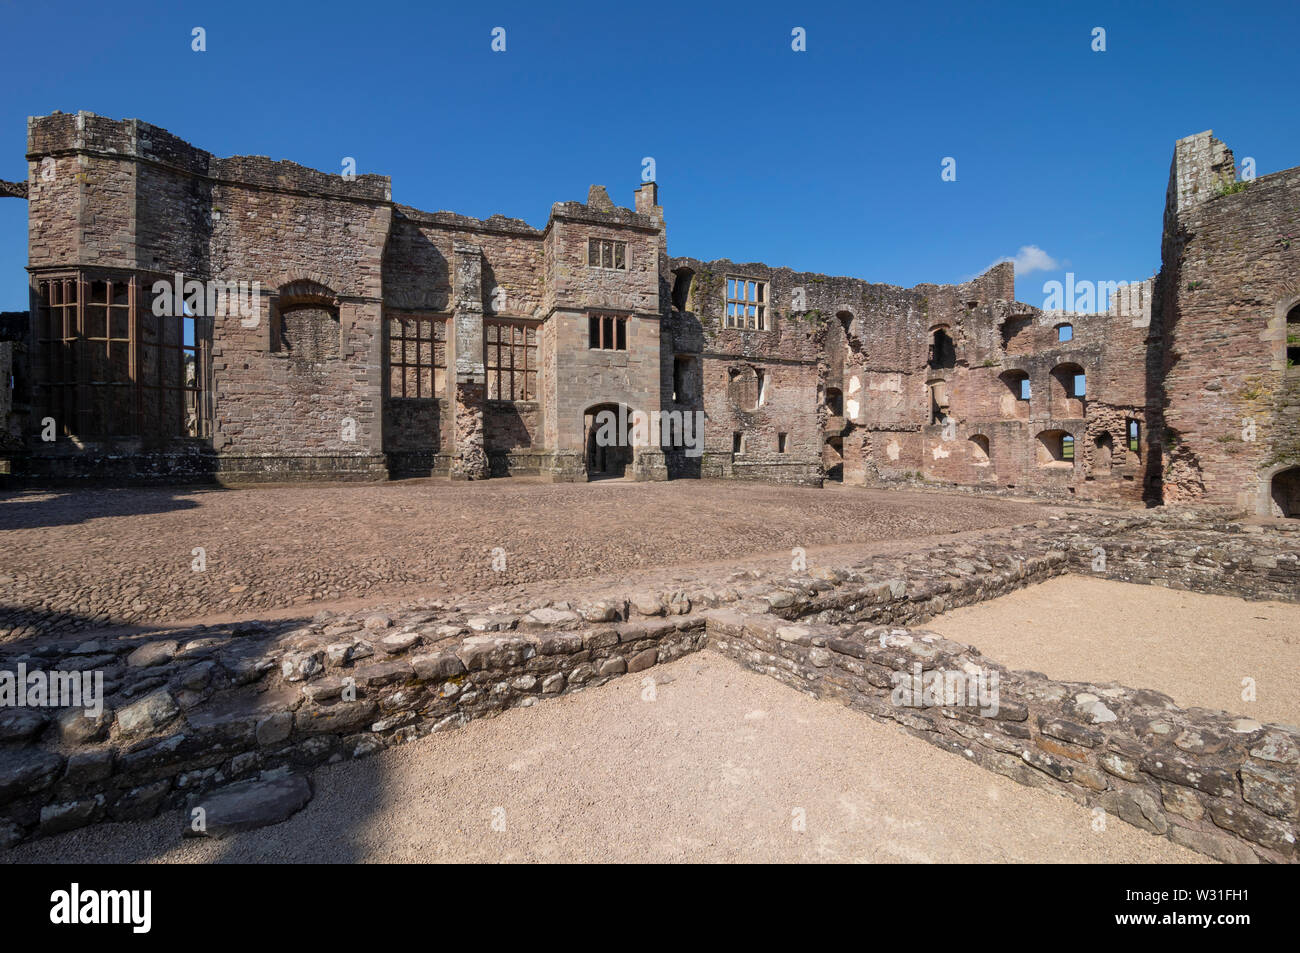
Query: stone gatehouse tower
(241, 319)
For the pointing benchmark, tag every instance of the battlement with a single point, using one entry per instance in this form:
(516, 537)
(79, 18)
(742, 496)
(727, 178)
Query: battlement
(85, 133)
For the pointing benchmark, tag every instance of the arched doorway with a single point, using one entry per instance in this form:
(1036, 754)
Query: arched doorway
(1285, 490)
(606, 439)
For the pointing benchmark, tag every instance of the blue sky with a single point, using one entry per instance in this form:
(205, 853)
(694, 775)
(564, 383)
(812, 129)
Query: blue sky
(827, 160)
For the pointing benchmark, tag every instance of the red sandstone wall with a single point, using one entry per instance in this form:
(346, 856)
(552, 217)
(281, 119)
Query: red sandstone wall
(1230, 276)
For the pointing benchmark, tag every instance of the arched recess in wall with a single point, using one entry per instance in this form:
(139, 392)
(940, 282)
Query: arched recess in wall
(606, 440)
(745, 385)
(1103, 449)
(938, 400)
(1013, 402)
(845, 319)
(979, 450)
(943, 352)
(682, 280)
(835, 401)
(1284, 491)
(305, 323)
(1055, 448)
(1016, 336)
(1068, 390)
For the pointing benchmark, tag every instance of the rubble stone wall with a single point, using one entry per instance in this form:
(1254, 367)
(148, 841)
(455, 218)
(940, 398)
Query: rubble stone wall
(195, 708)
(853, 386)
(1219, 785)
(1233, 413)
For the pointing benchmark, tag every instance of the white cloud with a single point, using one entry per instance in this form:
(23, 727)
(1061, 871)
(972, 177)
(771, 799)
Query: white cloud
(1030, 259)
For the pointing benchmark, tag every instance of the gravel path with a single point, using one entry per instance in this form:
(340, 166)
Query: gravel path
(715, 769)
(1194, 647)
(91, 558)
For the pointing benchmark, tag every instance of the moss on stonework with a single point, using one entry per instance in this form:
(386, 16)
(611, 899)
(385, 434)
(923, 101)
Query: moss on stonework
(1253, 390)
(1230, 186)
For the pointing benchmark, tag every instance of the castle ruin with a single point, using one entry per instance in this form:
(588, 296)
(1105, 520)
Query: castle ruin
(381, 341)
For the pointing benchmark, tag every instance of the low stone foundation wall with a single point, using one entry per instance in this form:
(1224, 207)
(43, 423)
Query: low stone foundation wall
(209, 706)
(193, 709)
(1220, 785)
(1197, 552)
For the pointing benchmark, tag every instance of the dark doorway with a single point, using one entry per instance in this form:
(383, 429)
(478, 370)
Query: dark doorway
(608, 453)
(943, 354)
(1286, 493)
(833, 459)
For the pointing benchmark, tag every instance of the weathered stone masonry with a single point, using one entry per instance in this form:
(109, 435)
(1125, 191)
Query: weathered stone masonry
(390, 342)
(191, 710)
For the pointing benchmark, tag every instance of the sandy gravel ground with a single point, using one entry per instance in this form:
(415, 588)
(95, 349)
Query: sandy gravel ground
(91, 558)
(1194, 647)
(715, 769)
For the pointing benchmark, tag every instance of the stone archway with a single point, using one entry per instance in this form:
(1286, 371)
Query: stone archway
(607, 453)
(1284, 491)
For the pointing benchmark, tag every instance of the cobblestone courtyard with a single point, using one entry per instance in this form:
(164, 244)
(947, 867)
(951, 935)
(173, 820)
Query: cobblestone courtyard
(89, 558)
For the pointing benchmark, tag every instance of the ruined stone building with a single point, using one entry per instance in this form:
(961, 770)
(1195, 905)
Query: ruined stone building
(383, 341)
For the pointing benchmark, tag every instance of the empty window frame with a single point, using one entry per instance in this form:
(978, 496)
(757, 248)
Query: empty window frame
(746, 304)
(737, 442)
(607, 332)
(1134, 433)
(780, 443)
(1293, 337)
(510, 360)
(1055, 449)
(417, 356)
(58, 324)
(606, 253)
(175, 372)
(1064, 332)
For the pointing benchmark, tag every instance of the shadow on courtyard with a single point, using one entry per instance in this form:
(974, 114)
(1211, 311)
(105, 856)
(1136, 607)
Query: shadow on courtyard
(37, 508)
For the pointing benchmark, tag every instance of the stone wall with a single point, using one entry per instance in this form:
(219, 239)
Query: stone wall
(1217, 555)
(193, 709)
(1196, 360)
(148, 205)
(1219, 785)
(1231, 272)
(214, 704)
